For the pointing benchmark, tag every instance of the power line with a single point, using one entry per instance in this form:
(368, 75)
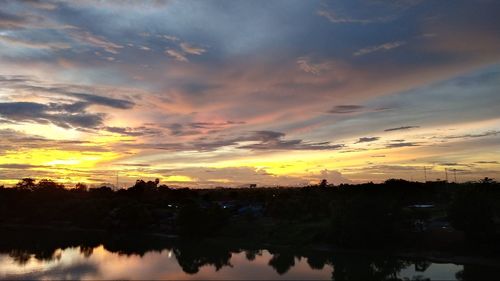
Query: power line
(116, 186)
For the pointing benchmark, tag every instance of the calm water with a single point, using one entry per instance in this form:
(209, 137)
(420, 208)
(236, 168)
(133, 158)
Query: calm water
(99, 263)
(38, 257)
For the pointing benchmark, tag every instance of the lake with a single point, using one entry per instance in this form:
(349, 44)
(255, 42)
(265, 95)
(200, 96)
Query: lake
(91, 257)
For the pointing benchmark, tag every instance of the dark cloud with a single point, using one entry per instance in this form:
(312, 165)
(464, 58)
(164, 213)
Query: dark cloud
(19, 166)
(270, 140)
(453, 164)
(134, 132)
(28, 83)
(214, 125)
(195, 128)
(45, 114)
(367, 139)
(400, 128)
(345, 109)
(63, 112)
(401, 144)
(487, 162)
(260, 140)
(12, 140)
(132, 164)
(177, 129)
(480, 135)
(100, 100)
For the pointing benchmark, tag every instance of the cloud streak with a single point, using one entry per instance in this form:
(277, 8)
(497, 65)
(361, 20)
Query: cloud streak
(383, 47)
(400, 128)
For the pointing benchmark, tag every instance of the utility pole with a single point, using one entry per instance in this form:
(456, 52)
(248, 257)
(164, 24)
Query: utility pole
(116, 186)
(425, 174)
(455, 174)
(446, 173)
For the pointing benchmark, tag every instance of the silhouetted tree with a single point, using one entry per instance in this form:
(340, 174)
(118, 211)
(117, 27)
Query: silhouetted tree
(282, 262)
(487, 180)
(26, 184)
(49, 185)
(323, 183)
(81, 187)
(472, 212)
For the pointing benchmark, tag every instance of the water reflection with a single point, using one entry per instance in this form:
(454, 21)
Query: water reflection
(96, 256)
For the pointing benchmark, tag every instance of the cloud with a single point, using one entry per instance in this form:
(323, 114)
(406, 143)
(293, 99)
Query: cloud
(257, 140)
(134, 132)
(480, 135)
(346, 109)
(452, 164)
(262, 71)
(100, 100)
(41, 4)
(400, 128)
(270, 140)
(10, 21)
(32, 44)
(62, 114)
(214, 125)
(355, 12)
(185, 50)
(487, 162)
(19, 166)
(307, 66)
(96, 41)
(333, 177)
(170, 37)
(367, 139)
(335, 18)
(243, 176)
(83, 100)
(189, 49)
(176, 55)
(382, 47)
(44, 114)
(133, 164)
(196, 128)
(12, 140)
(391, 168)
(401, 144)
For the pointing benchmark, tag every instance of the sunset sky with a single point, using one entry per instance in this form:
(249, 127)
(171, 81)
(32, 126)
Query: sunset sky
(229, 93)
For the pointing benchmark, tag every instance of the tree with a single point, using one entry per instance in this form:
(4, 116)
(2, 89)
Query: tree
(487, 180)
(471, 212)
(26, 184)
(49, 184)
(323, 184)
(81, 187)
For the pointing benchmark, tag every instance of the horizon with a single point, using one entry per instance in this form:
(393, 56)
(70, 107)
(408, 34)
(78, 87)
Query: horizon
(115, 187)
(203, 94)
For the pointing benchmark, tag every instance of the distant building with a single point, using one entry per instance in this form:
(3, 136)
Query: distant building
(252, 185)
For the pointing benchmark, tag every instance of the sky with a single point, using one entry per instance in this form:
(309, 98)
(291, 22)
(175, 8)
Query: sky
(231, 93)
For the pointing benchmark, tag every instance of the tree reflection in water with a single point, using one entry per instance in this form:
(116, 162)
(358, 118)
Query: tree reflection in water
(192, 255)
